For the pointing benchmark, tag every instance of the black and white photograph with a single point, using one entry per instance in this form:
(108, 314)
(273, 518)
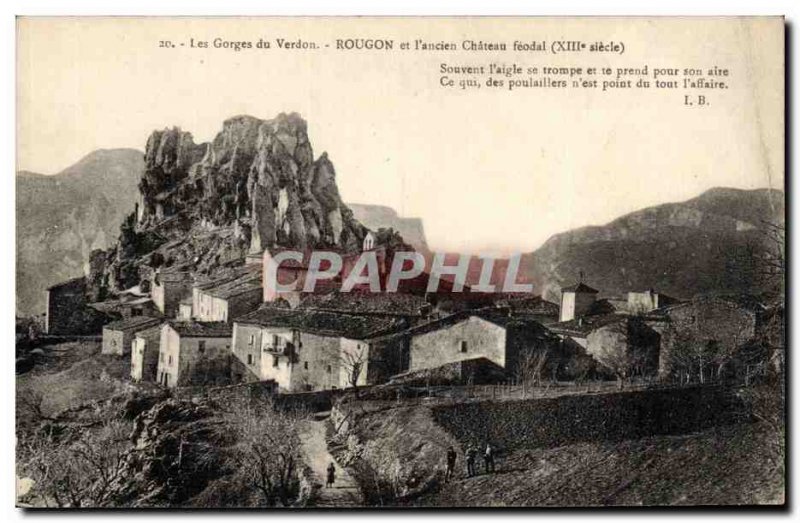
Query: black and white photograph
(400, 263)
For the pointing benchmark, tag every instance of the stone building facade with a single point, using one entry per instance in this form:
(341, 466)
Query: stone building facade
(576, 301)
(721, 324)
(168, 288)
(118, 335)
(492, 335)
(194, 354)
(228, 297)
(312, 350)
(144, 354)
(62, 301)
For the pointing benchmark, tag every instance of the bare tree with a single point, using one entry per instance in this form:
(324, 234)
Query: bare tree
(771, 266)
(77, 470)
(353, 363)
(531, 365)
(689, 356)
(267, 452)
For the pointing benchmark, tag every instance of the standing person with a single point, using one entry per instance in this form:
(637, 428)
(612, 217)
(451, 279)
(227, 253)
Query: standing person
(451, 463)
(331, 475)
(470, 455)
(488, 458)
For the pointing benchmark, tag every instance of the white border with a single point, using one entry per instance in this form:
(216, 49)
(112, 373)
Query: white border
(789, 8)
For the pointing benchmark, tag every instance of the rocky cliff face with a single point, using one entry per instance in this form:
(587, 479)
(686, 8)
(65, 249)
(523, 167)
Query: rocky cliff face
(258, 174)
(706, 244)
(256, 185)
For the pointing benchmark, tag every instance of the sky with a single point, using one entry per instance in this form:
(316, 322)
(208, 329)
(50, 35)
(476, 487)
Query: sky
(487, 170)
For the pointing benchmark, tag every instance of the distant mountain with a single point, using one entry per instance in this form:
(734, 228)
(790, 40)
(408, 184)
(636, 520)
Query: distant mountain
(697, 246)
(62, 217)
(379, 216)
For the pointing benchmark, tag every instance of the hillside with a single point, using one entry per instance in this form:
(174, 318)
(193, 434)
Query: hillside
(62, 217)
(204, 206)
(701, 245)
(379, 216)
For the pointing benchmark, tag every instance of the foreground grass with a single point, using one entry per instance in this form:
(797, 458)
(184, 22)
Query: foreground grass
(728, 465)
(72, 374)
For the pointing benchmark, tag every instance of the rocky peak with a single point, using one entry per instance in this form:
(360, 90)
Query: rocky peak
(256, 185)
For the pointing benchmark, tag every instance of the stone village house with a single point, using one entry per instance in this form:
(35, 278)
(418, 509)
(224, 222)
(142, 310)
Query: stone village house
(118, 335)
(168, 288)
(313, 350)
(144, 354)
(62, 300)
(722, 325)
(225, 297)
(194, 354)
(492, 335)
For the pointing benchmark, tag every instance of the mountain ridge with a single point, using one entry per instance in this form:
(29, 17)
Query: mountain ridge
(682, 248)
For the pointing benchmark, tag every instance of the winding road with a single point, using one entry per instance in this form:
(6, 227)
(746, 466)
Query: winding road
(345, 491)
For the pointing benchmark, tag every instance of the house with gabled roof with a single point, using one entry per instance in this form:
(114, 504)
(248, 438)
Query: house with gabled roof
(194, 353)
(576, 300)
(227, 295)
(491, 334)
(144, 354)
(313, 350)
(118, 335)
(168, 288)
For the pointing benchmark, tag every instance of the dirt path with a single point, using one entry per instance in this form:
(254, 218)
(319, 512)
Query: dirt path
(345, 492)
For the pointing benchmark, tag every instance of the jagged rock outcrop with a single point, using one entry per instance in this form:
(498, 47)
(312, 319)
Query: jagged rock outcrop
(202, 206)
(259, 175)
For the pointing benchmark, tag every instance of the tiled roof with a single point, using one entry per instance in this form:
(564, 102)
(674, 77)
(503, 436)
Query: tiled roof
(586, 324)
(744, 301)
(401, 304)
(226, 275)
(150, 332)
(579, 287)
(197, 329)
(235, 288)
(133, 323)
(492, 315)
(324, 323)
(173, 276)
(264, 314)
(73, 281)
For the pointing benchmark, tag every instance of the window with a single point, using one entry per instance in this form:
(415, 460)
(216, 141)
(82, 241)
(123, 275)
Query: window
(252, 339)
(249, 359)
(463, 346)
(275, 361)
(329, 369)
(305, 365)
(170, 360)
(201, 346)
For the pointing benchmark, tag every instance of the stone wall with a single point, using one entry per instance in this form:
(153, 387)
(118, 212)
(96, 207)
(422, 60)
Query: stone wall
(602, 417)
(62, 302)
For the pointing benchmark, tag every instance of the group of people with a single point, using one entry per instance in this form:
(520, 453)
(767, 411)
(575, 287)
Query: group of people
(470, 457)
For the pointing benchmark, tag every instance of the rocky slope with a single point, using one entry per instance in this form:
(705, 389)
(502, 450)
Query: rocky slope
(202, 206)
(381, 217)
(705, 244)
(62, 217)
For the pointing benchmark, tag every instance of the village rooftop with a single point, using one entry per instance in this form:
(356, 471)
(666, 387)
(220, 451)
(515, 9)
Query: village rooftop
(325, 266)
